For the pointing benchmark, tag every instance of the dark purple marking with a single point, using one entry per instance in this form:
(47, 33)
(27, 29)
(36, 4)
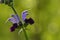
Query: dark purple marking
(30, 21)
(26, 20)
(13, 27)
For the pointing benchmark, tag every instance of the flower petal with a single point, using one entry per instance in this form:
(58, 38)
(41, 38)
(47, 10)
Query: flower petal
(24, 14)
(12, 20)
(13, 27)
(31, 21)
(26, 20)
(16, 17)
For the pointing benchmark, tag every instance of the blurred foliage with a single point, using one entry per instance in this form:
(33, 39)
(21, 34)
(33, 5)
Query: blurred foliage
(46, 14)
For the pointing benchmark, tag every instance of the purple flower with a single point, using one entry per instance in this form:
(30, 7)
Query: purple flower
(17, 22)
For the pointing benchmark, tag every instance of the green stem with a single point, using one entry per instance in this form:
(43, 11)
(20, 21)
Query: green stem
(15, 12)
(25, 33)
(20, 22)
(23, 27)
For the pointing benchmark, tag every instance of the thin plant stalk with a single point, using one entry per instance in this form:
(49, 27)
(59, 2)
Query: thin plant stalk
(25, 33)
(22, 26)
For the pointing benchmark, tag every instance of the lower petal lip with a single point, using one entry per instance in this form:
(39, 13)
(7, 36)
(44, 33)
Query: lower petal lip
(12, 29)
(31, 21)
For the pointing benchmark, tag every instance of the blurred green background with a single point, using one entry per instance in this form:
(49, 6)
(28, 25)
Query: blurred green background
(46, 14)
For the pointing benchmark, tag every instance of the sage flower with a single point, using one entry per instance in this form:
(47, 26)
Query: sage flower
(15, 20)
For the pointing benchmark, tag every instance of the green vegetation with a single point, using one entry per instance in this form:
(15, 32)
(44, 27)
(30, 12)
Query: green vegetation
(46, 14)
